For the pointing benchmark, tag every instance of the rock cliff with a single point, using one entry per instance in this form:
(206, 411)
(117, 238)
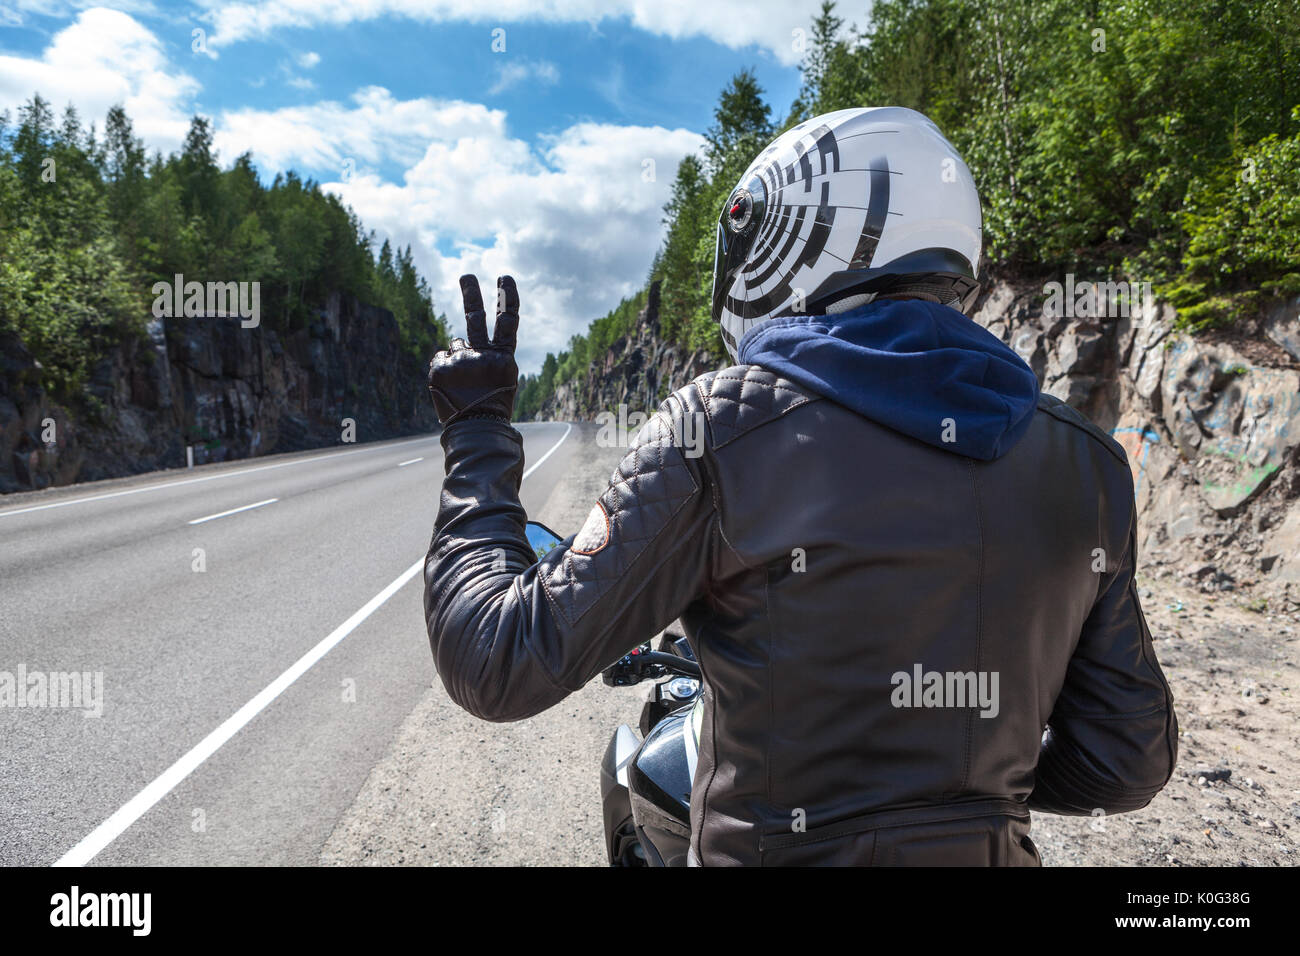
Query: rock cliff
(1210, 424)
(211, 385)
(638, 371)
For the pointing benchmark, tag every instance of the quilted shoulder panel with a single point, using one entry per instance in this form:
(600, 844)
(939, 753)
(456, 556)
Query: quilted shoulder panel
(741, 398)
(652, 483)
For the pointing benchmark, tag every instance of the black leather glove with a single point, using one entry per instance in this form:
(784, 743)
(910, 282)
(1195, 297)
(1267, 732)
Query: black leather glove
(478, 379)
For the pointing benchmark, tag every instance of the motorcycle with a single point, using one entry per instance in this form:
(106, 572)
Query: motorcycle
(645, 781)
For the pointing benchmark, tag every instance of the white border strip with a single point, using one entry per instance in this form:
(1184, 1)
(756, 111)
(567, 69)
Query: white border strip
(142, 802)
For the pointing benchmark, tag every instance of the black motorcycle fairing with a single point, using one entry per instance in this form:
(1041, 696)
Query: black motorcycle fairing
(650, 840)
(659, 780)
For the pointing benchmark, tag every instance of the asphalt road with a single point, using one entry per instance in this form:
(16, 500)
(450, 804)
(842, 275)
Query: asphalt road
(244, 705)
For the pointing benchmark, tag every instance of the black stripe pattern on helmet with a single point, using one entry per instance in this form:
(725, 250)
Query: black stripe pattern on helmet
(877, 213)
(788, 238)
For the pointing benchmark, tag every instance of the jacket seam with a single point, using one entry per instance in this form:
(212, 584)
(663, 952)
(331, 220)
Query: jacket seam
(1088, 428)
(713, 746)
(971, 810)
(722, 534)
(1132, 715)
(771, 705)
(709, 465)
(979, 615)
(644, 580)
(804, 399)
(528, 648)
(605, 514)
(685, 501)
(772, 385)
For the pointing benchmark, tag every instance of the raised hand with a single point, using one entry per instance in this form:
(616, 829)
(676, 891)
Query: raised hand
(478, 378)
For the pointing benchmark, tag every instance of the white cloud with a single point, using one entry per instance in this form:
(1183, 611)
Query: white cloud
(515, 71)
(103, 58)
(575, 217)
(305, 61)
(370, 129)
(575, 220)
(769, 24)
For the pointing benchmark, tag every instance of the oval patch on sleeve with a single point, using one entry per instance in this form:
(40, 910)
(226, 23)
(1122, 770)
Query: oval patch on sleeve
(594, 534)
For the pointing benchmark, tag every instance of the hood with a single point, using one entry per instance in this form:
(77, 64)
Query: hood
(909, 365)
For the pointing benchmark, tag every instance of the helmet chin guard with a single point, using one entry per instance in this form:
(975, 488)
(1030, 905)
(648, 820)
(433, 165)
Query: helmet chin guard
(860, 200)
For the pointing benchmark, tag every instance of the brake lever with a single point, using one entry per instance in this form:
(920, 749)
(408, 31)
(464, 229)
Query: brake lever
(632, 668)
(645, 664)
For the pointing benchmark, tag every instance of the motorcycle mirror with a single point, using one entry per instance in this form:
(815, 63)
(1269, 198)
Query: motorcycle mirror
(541, 538)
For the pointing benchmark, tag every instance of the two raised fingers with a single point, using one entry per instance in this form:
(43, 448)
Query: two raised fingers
(507, 323)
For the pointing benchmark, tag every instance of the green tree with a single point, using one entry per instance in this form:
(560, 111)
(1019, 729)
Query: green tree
(824, 56)
(679, 267)
(87, 227)
(741, 121)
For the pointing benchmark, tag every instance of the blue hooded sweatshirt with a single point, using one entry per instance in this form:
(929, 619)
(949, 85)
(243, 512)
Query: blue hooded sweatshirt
(908, 365)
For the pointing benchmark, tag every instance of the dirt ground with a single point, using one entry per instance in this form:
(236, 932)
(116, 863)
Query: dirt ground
(1234, 799)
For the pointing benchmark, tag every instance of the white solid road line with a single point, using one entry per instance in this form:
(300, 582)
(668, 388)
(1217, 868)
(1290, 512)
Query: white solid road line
(142, 802)
(234, 511)
(537, 464)
(411, 462)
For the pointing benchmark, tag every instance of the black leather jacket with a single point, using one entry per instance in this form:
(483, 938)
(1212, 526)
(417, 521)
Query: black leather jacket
(821, 563)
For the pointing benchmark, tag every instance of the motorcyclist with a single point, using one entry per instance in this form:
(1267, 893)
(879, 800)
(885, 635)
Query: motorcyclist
(907, 575)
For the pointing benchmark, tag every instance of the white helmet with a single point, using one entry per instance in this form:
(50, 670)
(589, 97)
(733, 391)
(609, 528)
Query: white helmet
(858, 200)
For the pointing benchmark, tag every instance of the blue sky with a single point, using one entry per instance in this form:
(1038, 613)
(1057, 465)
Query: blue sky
(549, 159)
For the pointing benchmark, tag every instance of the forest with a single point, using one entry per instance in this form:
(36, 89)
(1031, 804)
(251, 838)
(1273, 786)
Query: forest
(77, 262)
(1157, 140)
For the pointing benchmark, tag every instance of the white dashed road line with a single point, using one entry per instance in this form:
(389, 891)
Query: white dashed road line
(234, 511)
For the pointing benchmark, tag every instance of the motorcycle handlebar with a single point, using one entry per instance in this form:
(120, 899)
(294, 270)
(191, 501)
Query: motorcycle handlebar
(674, 663)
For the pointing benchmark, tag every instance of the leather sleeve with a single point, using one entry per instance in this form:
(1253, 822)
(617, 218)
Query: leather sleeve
(1112, 739)
(511, 636)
